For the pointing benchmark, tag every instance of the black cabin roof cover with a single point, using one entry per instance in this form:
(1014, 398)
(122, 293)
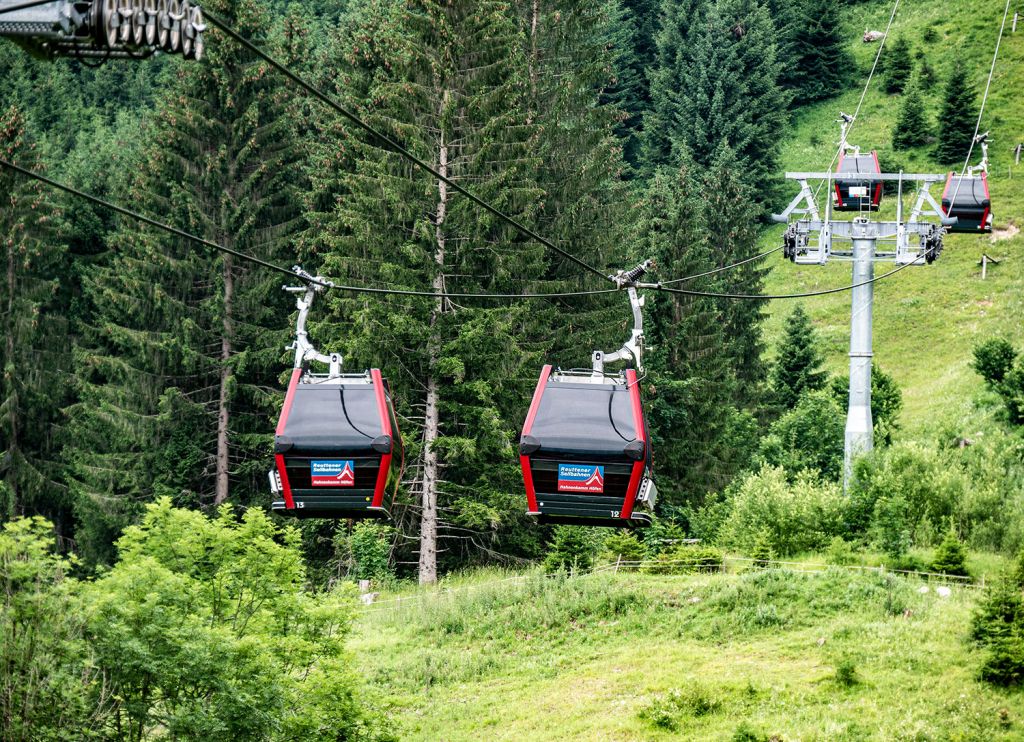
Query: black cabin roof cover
(973, 192)
(584, 418)
(331, 418)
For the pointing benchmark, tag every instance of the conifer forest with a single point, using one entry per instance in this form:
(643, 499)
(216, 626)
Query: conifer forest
(597, 425)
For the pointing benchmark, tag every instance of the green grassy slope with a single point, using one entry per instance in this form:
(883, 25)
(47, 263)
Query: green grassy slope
(927, 318)
(605, 657)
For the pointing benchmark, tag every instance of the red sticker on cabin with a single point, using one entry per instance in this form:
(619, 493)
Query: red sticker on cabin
(335, 473)
(580, 478)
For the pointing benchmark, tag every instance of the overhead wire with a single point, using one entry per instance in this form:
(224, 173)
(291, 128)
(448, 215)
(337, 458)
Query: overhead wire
(860, 102)
(25, 6)
(410, 292)
(272, 266)
(396, 147)
(984, 100)
(737, 264)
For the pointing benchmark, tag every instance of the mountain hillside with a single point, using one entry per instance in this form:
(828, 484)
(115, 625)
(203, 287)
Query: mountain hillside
(928, 318)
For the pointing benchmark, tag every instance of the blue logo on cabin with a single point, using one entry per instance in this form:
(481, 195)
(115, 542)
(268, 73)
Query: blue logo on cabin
(580, 478)
(333, 473)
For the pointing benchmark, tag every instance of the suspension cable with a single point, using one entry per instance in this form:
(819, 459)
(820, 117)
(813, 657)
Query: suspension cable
(695, 276)
(395, 146)
(271, 266)
(981, 110)
(431, 294)
(24, 6)
(863, 95)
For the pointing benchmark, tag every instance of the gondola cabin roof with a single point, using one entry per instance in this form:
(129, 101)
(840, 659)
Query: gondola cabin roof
(584, 451)
(852, 194)
(337, 447)
(967, 198)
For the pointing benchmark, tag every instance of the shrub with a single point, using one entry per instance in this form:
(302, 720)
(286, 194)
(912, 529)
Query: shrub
(571, 550)
(686, 559)
(802, 516)
(999, 612)
(762, 553)
(1004, 662)
(846, 673)
(666, 711)
(623, 546)
(370, 546)
(840, 552)
(951, 556)
(898, 65)
(993, 359)
(903, 494)
(808, 437)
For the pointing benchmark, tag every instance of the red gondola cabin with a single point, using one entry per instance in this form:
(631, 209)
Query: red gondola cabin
(857, 195)
(337, 450)
(584, 451)
(967, 199)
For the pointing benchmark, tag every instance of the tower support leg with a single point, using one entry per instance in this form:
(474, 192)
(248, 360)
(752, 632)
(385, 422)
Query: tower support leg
(859, 430)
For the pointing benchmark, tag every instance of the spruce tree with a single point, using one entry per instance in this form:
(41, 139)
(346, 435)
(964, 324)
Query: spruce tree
(731, 217)
(911, 128)
(798, 368)
(718, 82)
(957, 116)
(898, 65)
(185, 346)
(456, 90)
(699, 434)
(818, 58)
(34, 357)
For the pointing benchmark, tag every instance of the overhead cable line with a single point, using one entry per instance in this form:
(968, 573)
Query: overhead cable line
(396, 147)
(272, 266)
(804, 295)
(695, 276)
(984, 99)
(411, 292)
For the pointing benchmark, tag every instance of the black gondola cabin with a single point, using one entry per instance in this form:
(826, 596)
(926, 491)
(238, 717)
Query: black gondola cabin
(857, 195)
(967, 199)
(584, 451)
(337, 449)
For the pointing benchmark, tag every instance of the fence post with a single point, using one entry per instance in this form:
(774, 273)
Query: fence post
(618, 559)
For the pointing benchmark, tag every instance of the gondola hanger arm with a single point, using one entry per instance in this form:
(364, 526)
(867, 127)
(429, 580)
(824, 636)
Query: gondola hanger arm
(632, 349)
(305, 351)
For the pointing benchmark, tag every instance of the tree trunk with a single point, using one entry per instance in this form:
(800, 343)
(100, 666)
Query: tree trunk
(221, 491)
(428, 516)
(12, 415)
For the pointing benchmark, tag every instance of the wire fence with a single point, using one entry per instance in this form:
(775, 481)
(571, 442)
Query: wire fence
(675, 567)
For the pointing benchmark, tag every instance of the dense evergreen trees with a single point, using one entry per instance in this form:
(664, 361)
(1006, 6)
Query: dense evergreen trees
(717, 81)
(798, 368)
(34, 354)
(181, 340)
(957, 116)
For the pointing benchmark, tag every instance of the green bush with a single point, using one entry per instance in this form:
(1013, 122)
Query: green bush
(1003, 664)
(763, 554)
(623, 546)
(903, 495)
(999, 612)
(808, 437)
(572, 550)
(840, 552)
(993, 359)
(667, 711)
(792, 518)
(686, 559)
(846, 673)
(370, 548)
(951, 556)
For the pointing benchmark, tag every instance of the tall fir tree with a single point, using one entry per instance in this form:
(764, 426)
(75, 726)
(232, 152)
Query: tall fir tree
(798, 368)
(452, 82)
(898, 65)
(818, 58)
(696, 427)
(34, 358)
(179, 363)
(911, 128)
(957, 116)
(718, 82)
(731, 218)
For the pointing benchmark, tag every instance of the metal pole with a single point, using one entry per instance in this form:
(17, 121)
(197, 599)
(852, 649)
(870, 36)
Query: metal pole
(859, 430)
